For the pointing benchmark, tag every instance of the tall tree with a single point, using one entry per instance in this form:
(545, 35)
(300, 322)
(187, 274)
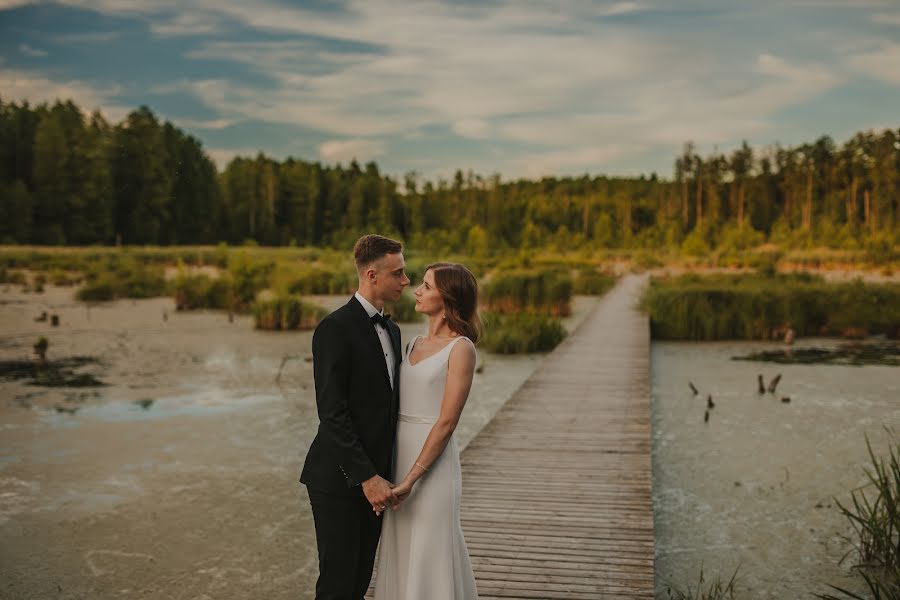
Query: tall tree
(141, 181)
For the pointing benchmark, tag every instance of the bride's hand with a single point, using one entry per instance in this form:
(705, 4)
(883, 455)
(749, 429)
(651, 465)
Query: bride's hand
(401, 490)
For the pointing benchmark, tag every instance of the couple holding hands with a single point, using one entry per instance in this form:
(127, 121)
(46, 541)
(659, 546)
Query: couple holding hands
(387, 415)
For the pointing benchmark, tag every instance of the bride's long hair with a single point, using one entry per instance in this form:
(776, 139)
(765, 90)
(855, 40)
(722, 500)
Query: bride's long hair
(459, 290)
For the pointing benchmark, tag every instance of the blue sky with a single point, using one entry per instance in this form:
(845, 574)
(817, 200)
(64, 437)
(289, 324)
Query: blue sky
(520, 88)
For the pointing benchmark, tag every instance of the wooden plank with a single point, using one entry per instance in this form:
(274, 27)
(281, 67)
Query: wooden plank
(557, 487)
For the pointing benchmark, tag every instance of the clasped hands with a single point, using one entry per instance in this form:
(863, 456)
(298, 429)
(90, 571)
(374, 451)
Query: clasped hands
(381, 494)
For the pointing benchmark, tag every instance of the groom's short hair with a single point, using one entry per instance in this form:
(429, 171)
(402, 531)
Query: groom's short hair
(370, 248)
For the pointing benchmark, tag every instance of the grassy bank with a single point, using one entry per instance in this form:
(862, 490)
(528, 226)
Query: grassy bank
(754, 307)
(122, 277)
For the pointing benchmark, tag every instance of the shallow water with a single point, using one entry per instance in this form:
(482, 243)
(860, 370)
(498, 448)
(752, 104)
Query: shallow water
(179, 478)
(755, 486)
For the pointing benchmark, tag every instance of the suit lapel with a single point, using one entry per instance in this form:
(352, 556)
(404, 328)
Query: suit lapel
(372, 340)
(394, 330)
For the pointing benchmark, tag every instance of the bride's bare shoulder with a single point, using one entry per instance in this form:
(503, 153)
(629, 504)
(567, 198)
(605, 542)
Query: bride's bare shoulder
(463, 353)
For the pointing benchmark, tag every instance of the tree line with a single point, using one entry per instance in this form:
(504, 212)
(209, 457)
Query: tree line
(68, 177)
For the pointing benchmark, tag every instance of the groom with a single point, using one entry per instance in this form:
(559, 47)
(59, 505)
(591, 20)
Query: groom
(356, 363)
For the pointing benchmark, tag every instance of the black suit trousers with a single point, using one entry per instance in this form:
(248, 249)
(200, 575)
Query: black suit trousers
(347, 532)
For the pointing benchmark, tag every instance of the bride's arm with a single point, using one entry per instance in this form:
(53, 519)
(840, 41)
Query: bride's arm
(459, 382)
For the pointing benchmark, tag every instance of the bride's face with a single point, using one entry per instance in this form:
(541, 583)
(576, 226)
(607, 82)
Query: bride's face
(428, 299)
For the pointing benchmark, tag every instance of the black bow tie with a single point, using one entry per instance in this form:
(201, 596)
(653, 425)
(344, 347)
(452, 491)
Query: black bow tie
(379, 319)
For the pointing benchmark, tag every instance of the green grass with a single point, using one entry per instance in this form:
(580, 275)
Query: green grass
(520, 333)
(122, 277)
(193, 292)
(546, 291)
(285, 314)
(590, 282)
(249, 274)
(14, 277)
(322, 280)
(716, 589)
(749, 307)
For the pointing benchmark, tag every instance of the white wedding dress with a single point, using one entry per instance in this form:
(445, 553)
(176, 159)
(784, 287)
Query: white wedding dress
(423, 554)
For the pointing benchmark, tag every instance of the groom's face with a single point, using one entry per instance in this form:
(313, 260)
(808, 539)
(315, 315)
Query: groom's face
(390, 277)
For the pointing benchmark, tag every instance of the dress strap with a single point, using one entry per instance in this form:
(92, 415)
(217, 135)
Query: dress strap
(453, 343)
(410, 345)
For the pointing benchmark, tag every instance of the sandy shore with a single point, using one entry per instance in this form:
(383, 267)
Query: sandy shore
(178, 479)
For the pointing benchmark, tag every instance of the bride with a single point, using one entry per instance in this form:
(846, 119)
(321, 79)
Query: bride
(423, 553)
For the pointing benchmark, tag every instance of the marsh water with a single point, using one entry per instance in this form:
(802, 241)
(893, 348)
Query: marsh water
(754, 487)
(178, 478)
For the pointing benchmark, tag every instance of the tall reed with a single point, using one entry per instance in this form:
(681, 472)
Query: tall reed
(590, 282)
(194, 292)
(874, 515)
(287, 313)
(529, 290)
(719, 307)
(715, 590)
(120, 276)
(521, 333)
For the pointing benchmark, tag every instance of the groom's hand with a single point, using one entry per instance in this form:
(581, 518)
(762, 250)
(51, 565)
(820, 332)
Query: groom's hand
(379, 493)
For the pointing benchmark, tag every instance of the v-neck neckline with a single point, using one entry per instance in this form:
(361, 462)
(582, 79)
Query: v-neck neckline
(433, 354)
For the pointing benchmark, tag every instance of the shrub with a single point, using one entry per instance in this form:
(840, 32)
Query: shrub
(590, 282)
(879, 248)
(15, 277)
(521, 333)
(529, 290)
(318, 280)
(200, 291)
(287, 313)
(753, 307)
(249, 276)
(122, 277)
(63, 278)
(100, 290)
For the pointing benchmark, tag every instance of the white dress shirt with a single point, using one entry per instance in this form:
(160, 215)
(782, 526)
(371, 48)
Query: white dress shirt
(383, 336)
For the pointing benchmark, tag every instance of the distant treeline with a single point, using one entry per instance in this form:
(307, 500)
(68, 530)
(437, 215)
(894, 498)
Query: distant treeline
(71, 178)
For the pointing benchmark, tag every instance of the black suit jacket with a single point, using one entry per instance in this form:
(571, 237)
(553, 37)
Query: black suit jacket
(357, 406)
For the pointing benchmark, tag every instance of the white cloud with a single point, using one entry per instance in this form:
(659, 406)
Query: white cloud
(20, 86)
(33, 52)
(882, 64)
(223, 156)
(886, 18)
(10, 4)
(91, 37)
(569, 160)
(204, 123)
(362, 150)
(579, 87)
(508, 72)
(621, 8)
(185, 24)
(472, 128)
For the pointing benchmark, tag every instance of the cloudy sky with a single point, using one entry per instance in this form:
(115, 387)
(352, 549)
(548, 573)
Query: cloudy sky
(523, 88)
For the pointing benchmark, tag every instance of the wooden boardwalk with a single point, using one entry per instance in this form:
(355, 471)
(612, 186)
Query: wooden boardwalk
(556, 488)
